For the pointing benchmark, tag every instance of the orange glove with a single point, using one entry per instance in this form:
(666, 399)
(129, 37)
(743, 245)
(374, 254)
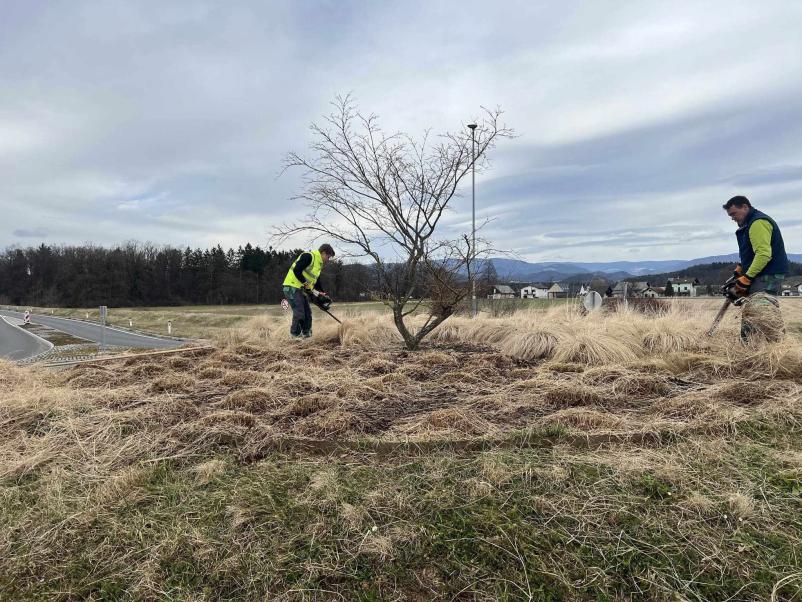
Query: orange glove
(742, 285)
(739, 270)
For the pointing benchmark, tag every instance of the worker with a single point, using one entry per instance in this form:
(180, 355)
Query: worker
(761, 270)
(304, 274)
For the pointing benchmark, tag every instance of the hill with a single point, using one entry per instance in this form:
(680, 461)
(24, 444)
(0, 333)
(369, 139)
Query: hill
(516, 269)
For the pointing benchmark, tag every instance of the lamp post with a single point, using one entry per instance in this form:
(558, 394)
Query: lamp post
(472, 254)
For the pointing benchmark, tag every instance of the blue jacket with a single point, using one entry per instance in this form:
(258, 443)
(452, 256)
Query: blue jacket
(779, 260)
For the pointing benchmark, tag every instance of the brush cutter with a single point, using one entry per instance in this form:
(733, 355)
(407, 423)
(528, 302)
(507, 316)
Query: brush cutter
(322, 301)
(727, 289)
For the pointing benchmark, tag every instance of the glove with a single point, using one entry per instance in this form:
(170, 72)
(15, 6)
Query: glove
(738, 271)
(308, 285)
(742, 285)
(323, 300)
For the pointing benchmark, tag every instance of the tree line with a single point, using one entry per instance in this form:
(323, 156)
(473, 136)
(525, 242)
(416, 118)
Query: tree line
(136, 274)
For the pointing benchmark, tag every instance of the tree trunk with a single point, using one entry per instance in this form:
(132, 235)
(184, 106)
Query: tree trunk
(413, 340)
(410, 340)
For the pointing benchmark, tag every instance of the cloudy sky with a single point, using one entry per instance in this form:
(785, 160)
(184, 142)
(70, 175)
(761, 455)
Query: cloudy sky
(168, 121)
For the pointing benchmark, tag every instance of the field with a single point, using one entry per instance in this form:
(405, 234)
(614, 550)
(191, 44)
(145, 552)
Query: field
(542, 455)
(210, 321)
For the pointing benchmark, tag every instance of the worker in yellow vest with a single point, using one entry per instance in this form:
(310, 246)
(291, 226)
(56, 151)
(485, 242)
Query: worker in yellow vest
(304, 273)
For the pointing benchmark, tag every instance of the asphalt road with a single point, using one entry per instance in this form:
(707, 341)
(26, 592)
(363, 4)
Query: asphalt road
(91, 332)
(17, 344)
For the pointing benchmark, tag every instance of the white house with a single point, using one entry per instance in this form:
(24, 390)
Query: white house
(792, 287)
(501, 291)
(684, 287)
(535, 291)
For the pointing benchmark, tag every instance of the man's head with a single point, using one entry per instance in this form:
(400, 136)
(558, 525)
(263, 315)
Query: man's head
(738, 207)
(326, 252)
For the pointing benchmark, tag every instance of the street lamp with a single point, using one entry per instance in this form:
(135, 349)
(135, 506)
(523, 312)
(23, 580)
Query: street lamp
(472, 253)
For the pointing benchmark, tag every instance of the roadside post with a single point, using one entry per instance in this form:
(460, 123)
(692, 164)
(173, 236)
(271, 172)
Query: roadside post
(169, 327)
(130, 323)
(103, 311)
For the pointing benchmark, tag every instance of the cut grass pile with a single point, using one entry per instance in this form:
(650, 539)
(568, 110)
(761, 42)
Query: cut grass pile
(552, 456)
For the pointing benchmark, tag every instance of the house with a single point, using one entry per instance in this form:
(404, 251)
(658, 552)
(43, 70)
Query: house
(538, 290)
(792, 287)
(684, 287)
(556, 292)
(629, 289)
(653, 292)
(501, 291)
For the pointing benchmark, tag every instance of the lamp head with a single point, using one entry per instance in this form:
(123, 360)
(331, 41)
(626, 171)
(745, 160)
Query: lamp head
(472, 126)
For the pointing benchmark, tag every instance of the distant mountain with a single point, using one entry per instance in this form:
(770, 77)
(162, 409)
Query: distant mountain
(524, 271)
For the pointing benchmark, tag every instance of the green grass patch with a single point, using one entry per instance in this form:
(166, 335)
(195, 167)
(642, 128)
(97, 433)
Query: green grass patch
(539, 524)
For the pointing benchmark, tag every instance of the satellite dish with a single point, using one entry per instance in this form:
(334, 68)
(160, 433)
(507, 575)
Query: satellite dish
(592, 301)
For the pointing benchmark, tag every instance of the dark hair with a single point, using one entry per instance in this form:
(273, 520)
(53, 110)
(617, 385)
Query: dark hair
(737, 201)
(326, 248)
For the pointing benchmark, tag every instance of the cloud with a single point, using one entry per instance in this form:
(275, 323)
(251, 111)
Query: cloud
(35, 233)
(169, 122)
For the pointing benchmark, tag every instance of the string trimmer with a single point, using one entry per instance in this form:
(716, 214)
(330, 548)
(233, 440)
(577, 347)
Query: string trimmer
(321, 300)
(731, 299)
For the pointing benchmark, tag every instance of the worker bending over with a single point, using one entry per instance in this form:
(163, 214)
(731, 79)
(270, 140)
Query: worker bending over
(304, 274)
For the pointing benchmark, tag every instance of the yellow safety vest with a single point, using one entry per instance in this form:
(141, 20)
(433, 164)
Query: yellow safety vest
(311, 273)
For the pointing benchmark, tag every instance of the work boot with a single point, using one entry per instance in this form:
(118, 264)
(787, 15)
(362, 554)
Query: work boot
(308, 334)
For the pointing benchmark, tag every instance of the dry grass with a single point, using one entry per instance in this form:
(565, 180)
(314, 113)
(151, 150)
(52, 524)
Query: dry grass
(486, 376)
(91, 440)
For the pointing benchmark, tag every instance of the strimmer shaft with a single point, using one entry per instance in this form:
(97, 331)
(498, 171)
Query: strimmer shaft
(719, 316)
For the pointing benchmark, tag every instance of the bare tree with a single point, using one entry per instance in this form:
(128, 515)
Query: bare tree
(384, 196)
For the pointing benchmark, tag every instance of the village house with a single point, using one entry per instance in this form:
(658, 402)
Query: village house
(684, 287)
(792, 287)
(501, 291)
(630, 289)
(556, 292)
(653, 292)
(538, 290)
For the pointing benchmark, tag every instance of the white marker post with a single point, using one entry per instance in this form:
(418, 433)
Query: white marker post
(130, 323)
(103, 311)
(169, 327)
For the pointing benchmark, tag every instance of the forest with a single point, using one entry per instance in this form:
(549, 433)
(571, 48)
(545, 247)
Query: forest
(136, 274)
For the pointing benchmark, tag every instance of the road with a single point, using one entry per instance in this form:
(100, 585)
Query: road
(91, 332)
(17, 344)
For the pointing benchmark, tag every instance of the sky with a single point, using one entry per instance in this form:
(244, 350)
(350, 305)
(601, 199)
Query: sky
(168, 122)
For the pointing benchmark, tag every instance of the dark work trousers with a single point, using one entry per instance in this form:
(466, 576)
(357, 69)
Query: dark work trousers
(301, 312)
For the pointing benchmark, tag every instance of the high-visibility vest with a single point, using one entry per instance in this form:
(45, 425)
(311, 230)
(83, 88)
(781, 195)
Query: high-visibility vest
(311, 273)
